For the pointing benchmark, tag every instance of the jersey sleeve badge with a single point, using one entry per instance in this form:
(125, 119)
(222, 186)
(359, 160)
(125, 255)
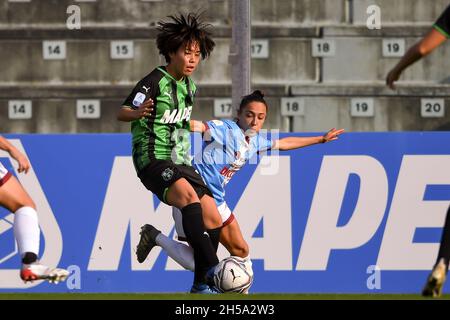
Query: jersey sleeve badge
(138, 99)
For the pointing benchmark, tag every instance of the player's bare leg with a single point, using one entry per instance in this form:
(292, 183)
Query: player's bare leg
(211, 216)
(26, 231)
(231, 238)
(13, 196)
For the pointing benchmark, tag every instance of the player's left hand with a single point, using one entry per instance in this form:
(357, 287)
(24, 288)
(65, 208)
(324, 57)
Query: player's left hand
(331, 135)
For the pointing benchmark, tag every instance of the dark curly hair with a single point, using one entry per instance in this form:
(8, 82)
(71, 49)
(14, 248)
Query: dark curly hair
(183, 30)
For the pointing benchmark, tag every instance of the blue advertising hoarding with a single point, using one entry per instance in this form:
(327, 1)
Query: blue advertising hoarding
(363, 214)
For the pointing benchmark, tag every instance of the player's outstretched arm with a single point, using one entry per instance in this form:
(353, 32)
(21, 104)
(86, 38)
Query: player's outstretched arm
(128, 114)
(430, 42)
(291, 143)
(197, 126)
(24, 164)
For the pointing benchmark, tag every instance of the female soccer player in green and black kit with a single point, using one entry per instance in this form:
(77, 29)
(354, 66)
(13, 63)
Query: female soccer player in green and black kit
(433, 39)
(159, 109)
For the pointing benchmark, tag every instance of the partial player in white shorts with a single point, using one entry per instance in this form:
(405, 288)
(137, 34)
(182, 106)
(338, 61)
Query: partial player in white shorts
(15, 199)
(4, 175)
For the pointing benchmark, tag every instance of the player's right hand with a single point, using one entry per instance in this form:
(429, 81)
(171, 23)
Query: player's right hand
(24, 164)
(144, 109)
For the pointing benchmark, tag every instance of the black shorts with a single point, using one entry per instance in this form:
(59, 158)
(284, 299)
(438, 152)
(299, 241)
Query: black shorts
(159, 175)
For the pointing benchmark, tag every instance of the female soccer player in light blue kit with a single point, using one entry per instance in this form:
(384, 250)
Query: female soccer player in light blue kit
(227, 146)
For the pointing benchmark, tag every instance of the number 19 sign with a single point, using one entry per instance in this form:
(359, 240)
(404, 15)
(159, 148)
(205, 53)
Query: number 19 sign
(362, 107)
(393, 47)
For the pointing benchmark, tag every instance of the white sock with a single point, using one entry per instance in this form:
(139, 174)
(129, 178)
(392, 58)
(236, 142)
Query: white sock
(248, 264)
(26, 230)
(180, 252)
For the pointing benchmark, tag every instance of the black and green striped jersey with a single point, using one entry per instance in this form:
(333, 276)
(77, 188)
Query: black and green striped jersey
(163, 135)
(443, 23)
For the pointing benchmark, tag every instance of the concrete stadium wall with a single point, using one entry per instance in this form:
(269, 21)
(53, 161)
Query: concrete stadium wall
(59, 115)
(400, 11)
(88, 72)
(361, 59)
(286, 12)
(289, 62)
(391, 114)
(89, 61)
(113, 12)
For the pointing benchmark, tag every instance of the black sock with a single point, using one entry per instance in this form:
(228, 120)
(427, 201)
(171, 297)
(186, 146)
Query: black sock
(204, 255)
(444, 249)
(214, 235)
(29, 257)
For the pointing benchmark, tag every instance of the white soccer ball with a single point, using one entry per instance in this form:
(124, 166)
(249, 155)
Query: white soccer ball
(233, 275)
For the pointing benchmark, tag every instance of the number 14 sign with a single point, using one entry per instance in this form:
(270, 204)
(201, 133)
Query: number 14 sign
(20, 109)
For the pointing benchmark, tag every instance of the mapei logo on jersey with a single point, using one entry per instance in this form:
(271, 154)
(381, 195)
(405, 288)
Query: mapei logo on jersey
(176, 115)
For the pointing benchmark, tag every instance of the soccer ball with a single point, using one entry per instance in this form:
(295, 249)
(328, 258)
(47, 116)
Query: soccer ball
(233, 275)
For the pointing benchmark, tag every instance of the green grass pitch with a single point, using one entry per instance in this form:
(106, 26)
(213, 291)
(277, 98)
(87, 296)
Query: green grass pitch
(183, 296)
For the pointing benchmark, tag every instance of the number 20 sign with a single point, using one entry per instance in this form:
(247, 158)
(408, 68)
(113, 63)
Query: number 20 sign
(432, 108)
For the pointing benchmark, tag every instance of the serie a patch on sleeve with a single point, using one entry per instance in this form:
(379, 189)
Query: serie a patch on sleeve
(138, 99)
(217, 122)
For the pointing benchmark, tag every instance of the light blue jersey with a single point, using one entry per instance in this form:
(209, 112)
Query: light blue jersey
(225, 150)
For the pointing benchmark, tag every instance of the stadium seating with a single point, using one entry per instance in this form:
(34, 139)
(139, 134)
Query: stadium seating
(325, 86)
